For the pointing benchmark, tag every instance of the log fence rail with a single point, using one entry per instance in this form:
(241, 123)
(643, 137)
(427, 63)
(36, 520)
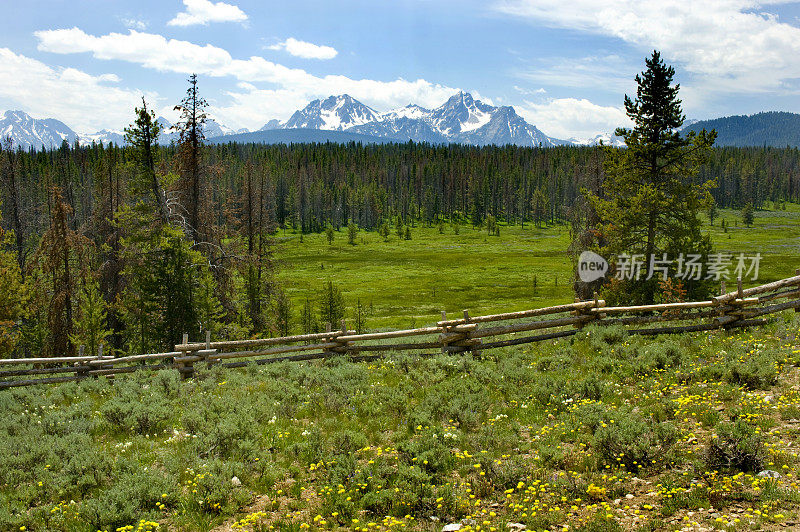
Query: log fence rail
(468, 334)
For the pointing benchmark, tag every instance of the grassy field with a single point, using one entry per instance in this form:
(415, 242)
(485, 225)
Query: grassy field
(604, 432)
(409, 282)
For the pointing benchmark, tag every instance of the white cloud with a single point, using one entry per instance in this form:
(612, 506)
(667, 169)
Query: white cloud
(134, 23)
(147, 49)
(84, 102)
(530, 92)
(600, 73)
(204, 11)
(171, 55)
(571, 117)
(304, 49)
(729, 45)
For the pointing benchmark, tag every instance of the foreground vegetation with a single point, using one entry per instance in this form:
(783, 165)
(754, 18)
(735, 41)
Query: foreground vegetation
(603, 432)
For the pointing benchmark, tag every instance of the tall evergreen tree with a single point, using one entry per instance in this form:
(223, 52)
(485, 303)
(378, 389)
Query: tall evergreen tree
(331, 305)
(12, 295)
(62, 256)
(142, 136)
(651, 202)
(190, 126)
(8, 170)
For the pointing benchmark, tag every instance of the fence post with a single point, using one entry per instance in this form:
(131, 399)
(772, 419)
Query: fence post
(471, 343)
(597, 315)
(797, 294)
(342, 347)
(443, 334)
(207, 353)
(100, 357)
(185, 368)
(578, 313)
(327, 351)
(81, 369)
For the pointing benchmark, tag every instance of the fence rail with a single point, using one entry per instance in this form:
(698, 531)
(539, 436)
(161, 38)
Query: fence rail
(740, 308)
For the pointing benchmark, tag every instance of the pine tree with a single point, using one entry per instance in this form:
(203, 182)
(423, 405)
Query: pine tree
(90, 320)
(352, 233)
(651, 203)
(383, 231)
(8, 169)
(307, 319)
(331, 305)
(329, 234)
(62, 256)
(190, 127)
(491, 224)
(282, 310)
(539, 207)
(142, 136)
(747, 214)
(12, 296)
(712, 211)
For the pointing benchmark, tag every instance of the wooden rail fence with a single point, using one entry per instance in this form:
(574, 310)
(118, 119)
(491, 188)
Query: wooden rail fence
(471, 334)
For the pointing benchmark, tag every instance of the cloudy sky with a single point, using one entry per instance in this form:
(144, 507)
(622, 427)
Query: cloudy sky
(564, 66)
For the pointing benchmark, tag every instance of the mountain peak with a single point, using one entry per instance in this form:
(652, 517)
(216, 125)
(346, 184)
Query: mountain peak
(17, 115)
(333, 113)
(27, 132)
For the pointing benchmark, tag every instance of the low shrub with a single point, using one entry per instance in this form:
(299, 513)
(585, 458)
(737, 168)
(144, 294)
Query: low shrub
(737, 446)
(756, 372)
(628, 440)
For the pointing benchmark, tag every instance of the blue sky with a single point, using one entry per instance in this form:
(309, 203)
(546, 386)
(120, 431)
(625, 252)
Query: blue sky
(564, 67)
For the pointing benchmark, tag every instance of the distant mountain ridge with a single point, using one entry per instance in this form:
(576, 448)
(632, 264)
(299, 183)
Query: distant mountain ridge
(28, 132)
(461, 119)
(773, 128)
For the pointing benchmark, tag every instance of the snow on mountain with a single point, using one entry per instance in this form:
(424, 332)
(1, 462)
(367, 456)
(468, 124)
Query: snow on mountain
(215, 129)
(272, 124)
(336, 113)
(106, 136)
(168, 135)
(460, 119)
(504, 126)
(607, 139)
(409, 111)
(28, 132)
(461, 114)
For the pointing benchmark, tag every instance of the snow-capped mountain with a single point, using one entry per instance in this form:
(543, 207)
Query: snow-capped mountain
(215, 129)
(272, 124)
(106, 136)
(461, 119)
(461, 114)
(504, 126)
(336, 113)
(607, 139)
(28, 132)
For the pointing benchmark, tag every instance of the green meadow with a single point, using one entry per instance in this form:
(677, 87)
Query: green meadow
(409, 282)
(603, 432)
